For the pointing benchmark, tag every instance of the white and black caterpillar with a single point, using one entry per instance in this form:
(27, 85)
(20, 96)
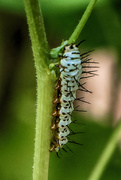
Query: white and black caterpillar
(71, 70)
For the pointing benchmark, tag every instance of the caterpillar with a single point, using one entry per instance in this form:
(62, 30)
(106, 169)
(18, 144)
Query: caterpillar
(70, 68)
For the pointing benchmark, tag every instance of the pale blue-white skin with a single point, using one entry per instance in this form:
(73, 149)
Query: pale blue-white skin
(64, 131)
(70, 71)
(64, 121)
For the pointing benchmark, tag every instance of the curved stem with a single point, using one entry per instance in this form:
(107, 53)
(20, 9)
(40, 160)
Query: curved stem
(107, 153)
(37, 33)
(82, 22)
(44, 89)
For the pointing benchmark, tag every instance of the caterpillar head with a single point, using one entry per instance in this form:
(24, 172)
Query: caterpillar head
(71, 47)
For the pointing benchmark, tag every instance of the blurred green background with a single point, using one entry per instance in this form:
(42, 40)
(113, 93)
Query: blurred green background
(18, 88)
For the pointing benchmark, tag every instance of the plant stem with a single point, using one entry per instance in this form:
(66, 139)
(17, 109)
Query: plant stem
(82, 22)
(37, 33)
(44, 89)
(107, 153)
(43, 123)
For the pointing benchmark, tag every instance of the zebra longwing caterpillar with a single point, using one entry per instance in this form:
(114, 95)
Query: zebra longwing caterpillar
(71, 67)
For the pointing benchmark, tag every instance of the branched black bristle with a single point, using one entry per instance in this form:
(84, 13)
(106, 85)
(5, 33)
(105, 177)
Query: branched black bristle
(74, 121)
(81, 85)
(76, 107)
(86, 60)
(85, 90)
(57, 155)
(68, 148)
(90, 72)
(60, 151)
(80, 43)
(82, 58)
(64, 149)
(89, 62)
(84, 77)
(86, 53)
(74, 142)
(90, 66)
(70, 129)
(80, 99)
(69, 114)
(71, 134)
(80, 110)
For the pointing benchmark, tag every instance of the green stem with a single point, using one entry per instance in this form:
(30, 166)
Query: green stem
(44, 89)
(37, 33)
(107, 153)
(43, 123)
(82, 22)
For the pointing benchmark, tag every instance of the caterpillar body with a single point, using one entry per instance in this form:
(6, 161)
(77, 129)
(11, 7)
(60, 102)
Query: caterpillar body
(70, 72)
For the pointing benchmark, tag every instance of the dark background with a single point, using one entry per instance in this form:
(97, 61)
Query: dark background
(18, 88)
